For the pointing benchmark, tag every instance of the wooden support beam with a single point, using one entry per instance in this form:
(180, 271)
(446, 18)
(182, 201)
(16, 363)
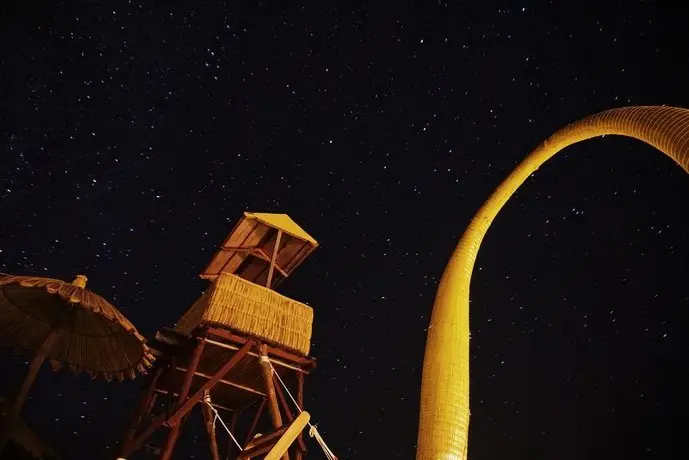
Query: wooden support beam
(283, 444)
(225, 382)
(251, 353)
(261, 254)
(300, 391)
(216, 405)
(273, 259)
(231, 447)
(262, 444)
(209, 418)
(306, 363)
(269, 438)
(173, 435)
(145, 403)
(143, 437)
(254, 423)
(283, 400)
(254, 251)
(301, 452)
(50, 339)
(273, 407)
(171, 441)
(288, 411)
(196, 397)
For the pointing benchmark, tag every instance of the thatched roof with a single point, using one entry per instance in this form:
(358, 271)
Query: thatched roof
(248, 250)
(95, 337)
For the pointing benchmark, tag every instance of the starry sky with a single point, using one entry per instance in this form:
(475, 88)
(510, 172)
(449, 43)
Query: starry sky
(133, 134)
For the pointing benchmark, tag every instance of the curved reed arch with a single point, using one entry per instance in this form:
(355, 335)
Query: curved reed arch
(444, 415)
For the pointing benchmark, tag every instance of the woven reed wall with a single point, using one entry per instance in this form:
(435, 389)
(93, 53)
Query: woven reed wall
(444, 412)
(254, 310)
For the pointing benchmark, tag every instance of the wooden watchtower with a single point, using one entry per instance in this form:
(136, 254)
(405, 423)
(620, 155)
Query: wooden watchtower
(231, 353)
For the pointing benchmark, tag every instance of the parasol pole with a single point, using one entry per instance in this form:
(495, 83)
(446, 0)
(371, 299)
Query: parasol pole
(15, 410)
(41, 355)
(34, 367)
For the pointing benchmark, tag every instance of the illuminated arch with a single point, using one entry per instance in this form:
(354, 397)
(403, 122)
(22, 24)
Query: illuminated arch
(444, 415)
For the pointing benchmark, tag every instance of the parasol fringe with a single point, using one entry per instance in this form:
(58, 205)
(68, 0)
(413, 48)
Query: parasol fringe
(79, 349)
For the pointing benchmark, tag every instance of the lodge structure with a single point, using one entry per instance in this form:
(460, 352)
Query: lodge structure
(239, 354)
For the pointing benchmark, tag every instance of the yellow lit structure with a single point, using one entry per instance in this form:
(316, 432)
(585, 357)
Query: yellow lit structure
(290, 435)
(444, 414)
(242, 348)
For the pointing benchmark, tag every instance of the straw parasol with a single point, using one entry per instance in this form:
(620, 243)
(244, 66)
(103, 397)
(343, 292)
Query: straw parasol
(68, 325)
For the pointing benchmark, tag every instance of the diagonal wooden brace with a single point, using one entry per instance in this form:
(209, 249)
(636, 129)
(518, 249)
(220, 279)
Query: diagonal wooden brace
(293, 432)
(254, 423)
(288, 412)
(261, 444)
(143, 437)
(184, 409)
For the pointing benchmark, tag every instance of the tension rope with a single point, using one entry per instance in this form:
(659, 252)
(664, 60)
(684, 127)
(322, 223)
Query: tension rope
(313, 431)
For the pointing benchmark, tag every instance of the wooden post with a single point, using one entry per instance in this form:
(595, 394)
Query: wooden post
(257, 417)
(196, 397)
(301, 452)
(233, 429)
(136, 444)
(209, 417)
(173, 435)
(283, 400)
(273, 259)
(34, 367)
(233, 422)
(171, 441)
(273, 407)
(145, 403)
(288, 411)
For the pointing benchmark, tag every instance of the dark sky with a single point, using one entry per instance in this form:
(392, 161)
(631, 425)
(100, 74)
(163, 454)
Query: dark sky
(134, 134)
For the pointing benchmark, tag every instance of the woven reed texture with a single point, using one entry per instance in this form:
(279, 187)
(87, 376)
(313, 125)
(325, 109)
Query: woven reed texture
(254, 310)
(444, 414)
(95, 337)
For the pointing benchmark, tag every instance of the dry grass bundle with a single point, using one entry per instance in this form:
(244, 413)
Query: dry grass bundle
(254, 310)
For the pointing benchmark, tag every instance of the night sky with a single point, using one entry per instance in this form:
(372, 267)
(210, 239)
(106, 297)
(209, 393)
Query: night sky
(134, 134)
